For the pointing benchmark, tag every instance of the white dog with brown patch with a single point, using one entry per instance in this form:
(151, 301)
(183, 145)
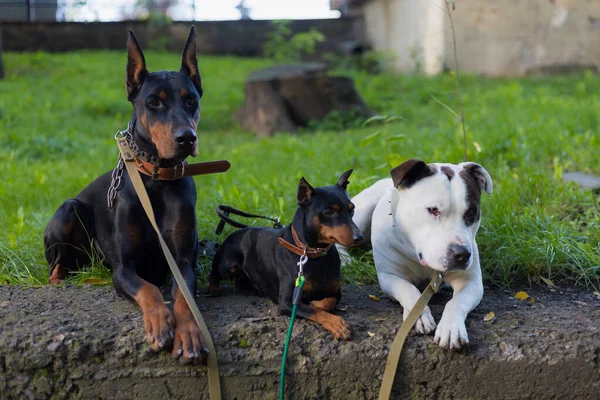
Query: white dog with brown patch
(422, 220)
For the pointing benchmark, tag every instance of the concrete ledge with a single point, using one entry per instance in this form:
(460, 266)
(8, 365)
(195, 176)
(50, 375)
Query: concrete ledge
(74, 342)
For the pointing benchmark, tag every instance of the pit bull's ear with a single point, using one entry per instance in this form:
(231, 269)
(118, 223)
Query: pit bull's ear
(305, 192)
(481, 176)
(410, 172)
(189, 62)
(136, 67)
(343, 181)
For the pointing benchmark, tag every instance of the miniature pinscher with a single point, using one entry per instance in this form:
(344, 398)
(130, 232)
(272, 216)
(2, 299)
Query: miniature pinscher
(267, 258)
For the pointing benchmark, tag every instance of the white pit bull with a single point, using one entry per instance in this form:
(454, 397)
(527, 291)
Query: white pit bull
(424, 219)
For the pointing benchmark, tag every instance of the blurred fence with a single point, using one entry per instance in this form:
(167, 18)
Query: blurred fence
(242, 37)
(93, 10)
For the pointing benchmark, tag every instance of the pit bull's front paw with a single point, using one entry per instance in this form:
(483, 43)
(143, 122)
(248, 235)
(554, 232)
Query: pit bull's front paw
(425, 324)
(451, 334)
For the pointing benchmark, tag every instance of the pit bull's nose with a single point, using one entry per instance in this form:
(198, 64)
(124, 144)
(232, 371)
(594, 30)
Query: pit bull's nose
(185, 136)
(358, 238)
(460, 254)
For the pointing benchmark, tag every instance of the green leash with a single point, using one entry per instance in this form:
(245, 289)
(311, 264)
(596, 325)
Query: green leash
(295, 300)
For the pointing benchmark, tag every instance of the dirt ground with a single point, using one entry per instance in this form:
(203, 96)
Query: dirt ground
(73, 342)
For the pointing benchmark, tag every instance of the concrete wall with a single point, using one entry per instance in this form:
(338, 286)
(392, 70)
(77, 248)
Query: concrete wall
(512, 37)
(412, 30)
(213, 37)
(494, 37)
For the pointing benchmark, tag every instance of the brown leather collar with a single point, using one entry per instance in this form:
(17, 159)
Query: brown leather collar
(300, 247)
(180, 170)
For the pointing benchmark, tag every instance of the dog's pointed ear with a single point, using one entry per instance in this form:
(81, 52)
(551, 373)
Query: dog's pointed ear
(410, 172)
(343, 181)
(479, 174)
(305, 192)
(136, 67)
(189, 62)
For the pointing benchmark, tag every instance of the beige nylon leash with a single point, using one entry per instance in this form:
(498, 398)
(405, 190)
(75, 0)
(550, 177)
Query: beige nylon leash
(396, 349)
(214, 383)
(394, 356)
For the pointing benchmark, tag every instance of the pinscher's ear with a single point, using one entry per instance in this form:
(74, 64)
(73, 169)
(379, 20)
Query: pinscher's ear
(305, 192)
(343, 181)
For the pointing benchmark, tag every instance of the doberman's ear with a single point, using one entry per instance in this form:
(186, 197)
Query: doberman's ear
(479, 174)
(189, 62)
(305, 192)
(136, 67)
(343, 181)
(410, 172)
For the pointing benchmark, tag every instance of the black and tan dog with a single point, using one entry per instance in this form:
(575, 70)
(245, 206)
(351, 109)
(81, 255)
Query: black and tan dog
(267, 258)
(162, 134)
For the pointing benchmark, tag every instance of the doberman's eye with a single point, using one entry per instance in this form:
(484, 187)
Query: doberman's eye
(190, 102)
(328, 213)
(153, 102)
(433, 211)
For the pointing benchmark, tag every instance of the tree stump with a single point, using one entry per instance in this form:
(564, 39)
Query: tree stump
(285, 97)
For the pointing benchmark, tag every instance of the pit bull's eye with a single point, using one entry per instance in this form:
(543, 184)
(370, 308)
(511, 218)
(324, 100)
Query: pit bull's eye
(153, 102)
(190, 102)
(328, 213)
(433, 211)
(470, 215)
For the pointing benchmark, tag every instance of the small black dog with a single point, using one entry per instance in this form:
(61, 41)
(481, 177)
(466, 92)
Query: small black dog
(267, 258)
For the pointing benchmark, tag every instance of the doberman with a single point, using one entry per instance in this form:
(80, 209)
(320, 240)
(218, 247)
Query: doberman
(162, 134)
(267, 258)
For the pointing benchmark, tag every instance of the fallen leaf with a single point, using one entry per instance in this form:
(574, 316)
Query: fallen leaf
(3, 303)
(59, 338)
(373, 297)
(521, 295)
(580, 303)
(596, 294)
(531, 300)
(371, 333)
(548, 282)
(489, 316)
(96, 281)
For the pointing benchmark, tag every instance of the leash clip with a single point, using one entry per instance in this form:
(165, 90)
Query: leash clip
(303, 260)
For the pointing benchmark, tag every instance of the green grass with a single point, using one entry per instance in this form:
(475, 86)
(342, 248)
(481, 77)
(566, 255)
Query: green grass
(58, 115)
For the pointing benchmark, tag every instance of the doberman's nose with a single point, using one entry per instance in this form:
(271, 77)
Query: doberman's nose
(460, 255)
(185, 136)
(358, 238)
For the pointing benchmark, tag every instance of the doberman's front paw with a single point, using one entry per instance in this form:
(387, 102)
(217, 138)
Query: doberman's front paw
(159, 325)
(189, 345)
(337, 326)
